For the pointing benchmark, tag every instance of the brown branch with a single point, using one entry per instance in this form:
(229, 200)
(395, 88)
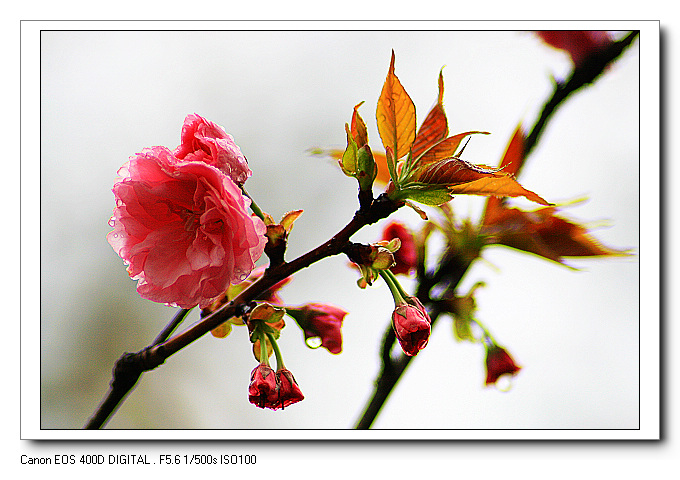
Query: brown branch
(126, 373)
(130, 366)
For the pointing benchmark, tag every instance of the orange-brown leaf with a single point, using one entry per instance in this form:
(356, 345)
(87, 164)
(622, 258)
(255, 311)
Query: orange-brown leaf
(462, 177)
(513, 158)
(359, 132)
(435, 127)
(442, 150)
(543, 233)
(512, 161)
(396, 115)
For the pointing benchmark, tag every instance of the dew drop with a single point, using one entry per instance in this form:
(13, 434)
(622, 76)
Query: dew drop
(313, 342)
(504, 383)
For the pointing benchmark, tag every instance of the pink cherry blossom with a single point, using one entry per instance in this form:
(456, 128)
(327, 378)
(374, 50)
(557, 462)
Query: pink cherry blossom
(183, 229)
(205, 141)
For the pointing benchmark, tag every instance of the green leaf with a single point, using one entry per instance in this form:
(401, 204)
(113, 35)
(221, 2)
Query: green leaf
(426, 194)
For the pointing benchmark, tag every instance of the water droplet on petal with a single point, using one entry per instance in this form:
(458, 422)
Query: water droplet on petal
(313, 342)
(504, 383)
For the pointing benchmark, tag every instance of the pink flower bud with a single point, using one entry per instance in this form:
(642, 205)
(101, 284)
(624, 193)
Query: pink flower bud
(263, 389)
(289, 392)
(205, 141)
(411, 325)
(322, 321)
(498, 362)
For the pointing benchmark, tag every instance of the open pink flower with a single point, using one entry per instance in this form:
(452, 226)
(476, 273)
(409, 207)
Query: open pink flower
(183, 229)
(205, 141)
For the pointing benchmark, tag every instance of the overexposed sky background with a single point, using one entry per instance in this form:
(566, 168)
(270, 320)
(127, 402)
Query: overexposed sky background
(107, 94)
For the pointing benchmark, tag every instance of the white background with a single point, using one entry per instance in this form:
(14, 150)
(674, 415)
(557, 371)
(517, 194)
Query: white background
(575, 333)
(106, 95)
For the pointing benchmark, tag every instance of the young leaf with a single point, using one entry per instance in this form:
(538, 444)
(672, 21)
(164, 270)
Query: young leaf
(289, 219)
(512, 161)
(427, 194)
(396, 115)
(359, 131)
(441, 150)
(465, 178)
(513, 158)
(543, 233)
(348, 161)
(435, 126)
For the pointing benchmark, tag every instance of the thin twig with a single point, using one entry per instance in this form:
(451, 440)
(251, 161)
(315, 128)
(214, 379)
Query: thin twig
(126, 374)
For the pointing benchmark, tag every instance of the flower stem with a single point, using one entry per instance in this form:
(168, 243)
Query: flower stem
(394, 289)
(277, 352)
(253, 206)
(264, 354)
(393, 277)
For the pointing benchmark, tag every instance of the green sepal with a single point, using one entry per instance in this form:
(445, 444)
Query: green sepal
(267, 319)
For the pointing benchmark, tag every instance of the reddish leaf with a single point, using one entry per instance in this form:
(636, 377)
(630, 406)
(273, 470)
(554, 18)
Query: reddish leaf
(465, 178)
(441, 150)
(435, 127)
(543, 233)
(396, 115)
(513, 158)
(512, 161)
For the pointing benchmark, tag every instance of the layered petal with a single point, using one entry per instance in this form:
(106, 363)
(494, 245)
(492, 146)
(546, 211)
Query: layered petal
(183, 228)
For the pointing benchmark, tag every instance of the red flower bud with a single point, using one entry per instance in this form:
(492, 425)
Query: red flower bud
(289, 392)
(411, 324)
(263, 390)
(498, 362)
(579, 44)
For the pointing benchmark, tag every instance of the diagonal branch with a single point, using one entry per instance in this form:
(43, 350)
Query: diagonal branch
(126, 373)
(130, 366)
